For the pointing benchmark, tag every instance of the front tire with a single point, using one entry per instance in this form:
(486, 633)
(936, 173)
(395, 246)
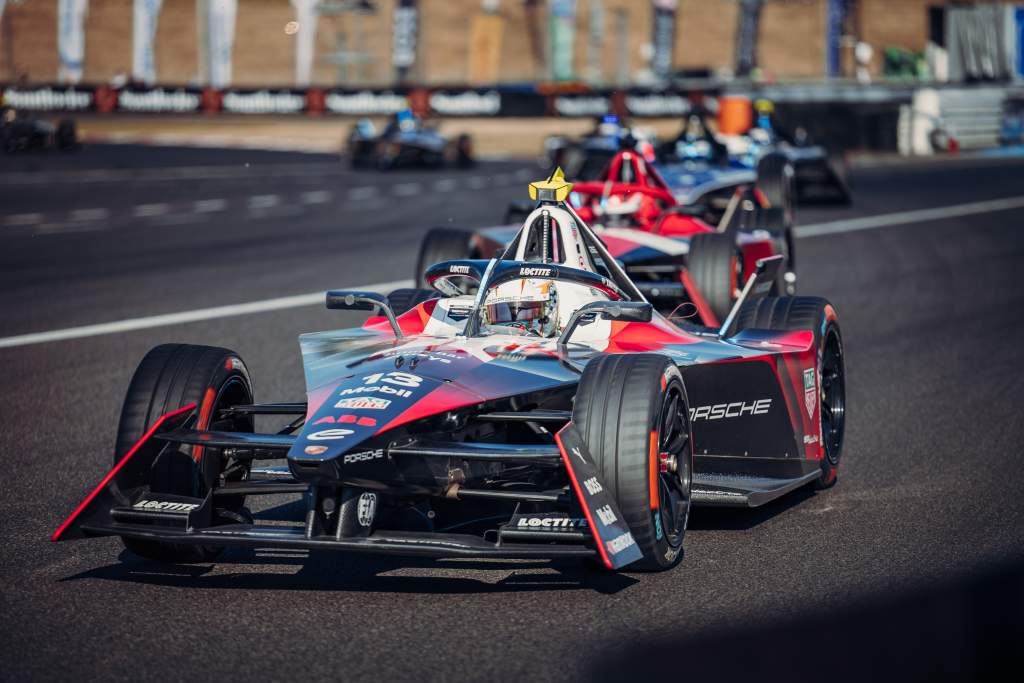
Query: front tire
(633, 414)
(776, 178)
(794, 313)
(171, 376)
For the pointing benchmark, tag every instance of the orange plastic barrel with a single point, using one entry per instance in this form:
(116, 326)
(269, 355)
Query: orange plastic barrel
(735, 115)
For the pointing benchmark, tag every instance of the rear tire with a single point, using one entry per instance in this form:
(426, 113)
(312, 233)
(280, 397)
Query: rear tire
(171, 376)
(794, 313)
(776, 179)
(404, 300)
(633, 414)
(713, 263)
(441, 244)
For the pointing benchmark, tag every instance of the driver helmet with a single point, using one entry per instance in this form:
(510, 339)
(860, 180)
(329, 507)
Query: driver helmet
(526, 306)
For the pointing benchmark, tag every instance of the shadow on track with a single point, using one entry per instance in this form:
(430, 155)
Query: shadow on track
(326, 571)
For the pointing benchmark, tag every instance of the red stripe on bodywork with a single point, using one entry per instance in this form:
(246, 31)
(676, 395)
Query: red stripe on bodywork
(579, 497)
(117, 468)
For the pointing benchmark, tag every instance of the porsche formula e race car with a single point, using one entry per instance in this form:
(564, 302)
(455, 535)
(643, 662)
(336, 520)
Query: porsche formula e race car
(553, 414)
(670, 250)
(406, 141)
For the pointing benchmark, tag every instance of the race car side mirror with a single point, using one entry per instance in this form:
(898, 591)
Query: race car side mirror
(625, 311)
(350, 300)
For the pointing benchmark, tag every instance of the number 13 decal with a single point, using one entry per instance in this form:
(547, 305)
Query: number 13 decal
(402, 379)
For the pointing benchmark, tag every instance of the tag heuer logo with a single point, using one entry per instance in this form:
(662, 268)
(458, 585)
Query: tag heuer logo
(364, 402)
(808, 379)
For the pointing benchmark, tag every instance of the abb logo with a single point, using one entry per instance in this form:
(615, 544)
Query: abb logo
(347, 419)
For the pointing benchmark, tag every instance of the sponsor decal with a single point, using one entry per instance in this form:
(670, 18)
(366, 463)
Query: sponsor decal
(721, 411)
(658, 531)
(620, 543)
(581, 106)
(459, 270)
(810, 438)
(551, 523)
(263, 102)
(159, 100)
(347, 419)
(400, 393)
(165, 506)
(593, 486)
(810, 392)
(48, 99)
(466, 103)
(402, 379)
(315, 450)
(366, 508)
(657, 105)
(365, 103)
(364, 402)
(330, 434)
(526, 271)
(576, 452)
(607, 515)
(363, 456)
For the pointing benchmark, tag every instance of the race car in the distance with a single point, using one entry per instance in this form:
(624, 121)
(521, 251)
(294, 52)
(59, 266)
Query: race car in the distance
(669, 250)
(406, 141)
(587, 157)
(553, 414)
(21, 132)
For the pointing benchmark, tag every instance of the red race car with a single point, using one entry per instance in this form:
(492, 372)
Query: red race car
(671, 251)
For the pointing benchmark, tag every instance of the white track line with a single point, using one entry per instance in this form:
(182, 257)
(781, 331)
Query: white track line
(834, 227)
(280, 303)
(907, 217)
(317, 197)
(89, 214)
(209, 205)
(23, 219)
(264, 201)
(143, 210)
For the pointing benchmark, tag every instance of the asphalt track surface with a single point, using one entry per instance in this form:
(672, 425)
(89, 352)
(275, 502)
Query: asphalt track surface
(909, 567)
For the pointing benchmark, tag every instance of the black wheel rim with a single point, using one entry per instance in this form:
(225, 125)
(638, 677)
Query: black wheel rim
(674, 467)
(833, 396)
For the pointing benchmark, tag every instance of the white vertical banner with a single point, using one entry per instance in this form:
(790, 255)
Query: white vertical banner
(71, 39)
(145, 15)
(305, 40)
(221, 34)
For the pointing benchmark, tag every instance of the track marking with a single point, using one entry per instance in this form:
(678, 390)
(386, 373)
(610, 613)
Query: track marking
(445, 184)
(264, 201)
(406, 189)
(209, 205)
(357, 193)
(79, 215)
(143, 210)
(317, 197)
(231, 310)
(907, 217)
(23, 219)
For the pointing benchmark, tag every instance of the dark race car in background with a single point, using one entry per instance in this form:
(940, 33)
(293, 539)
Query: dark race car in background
(671, 251)
(406, 141)
(553, 414)
(21, 132)
(586, 158)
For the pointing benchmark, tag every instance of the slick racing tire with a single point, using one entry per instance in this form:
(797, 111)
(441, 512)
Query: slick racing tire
(66, 136)
(776, 179)
(792, 313)
(404, 300)
(713, 263)
(634, 416)
(171, 376)
(776, 222)
(441, 244)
